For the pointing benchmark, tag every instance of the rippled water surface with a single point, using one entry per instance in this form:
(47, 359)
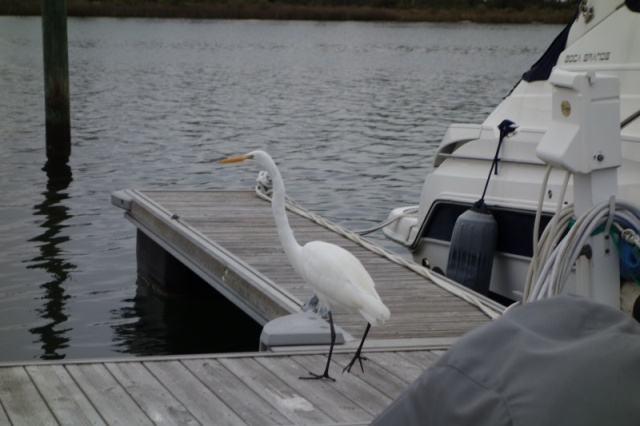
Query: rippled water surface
(352, 112)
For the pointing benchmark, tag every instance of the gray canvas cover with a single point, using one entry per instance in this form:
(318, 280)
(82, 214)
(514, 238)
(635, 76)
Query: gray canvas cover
(560, 361)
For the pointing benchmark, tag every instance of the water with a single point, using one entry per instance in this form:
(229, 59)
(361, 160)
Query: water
(352, 112)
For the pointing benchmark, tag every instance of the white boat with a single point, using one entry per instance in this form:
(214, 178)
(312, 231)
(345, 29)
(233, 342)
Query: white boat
(599, 143)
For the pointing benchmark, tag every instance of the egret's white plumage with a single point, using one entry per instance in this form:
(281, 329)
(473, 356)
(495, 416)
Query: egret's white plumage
(337, 276)
(341, 282)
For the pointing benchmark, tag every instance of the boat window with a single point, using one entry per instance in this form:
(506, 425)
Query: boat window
(515, 228)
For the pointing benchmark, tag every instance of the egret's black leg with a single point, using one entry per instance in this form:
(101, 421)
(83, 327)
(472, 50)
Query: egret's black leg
(357, 356)
(325, 375)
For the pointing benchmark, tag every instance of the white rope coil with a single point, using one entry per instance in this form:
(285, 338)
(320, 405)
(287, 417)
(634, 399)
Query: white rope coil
(555, 256)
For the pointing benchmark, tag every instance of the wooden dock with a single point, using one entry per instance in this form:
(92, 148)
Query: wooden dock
(228, 240)
(247, 389)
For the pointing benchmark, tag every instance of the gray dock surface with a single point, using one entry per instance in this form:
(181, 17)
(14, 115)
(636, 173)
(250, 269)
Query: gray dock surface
(249, 389)
(229, 240)
(232, 235)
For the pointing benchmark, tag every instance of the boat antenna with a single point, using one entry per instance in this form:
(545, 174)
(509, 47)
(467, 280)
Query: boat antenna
(507, 128)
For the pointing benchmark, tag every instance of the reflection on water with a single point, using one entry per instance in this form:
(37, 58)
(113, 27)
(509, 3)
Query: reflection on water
(53, 214)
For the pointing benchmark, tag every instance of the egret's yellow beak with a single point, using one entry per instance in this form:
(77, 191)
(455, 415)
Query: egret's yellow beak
(235, 159)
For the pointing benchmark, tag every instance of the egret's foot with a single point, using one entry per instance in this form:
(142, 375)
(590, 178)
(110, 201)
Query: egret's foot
(311, 305)
(315, 376)
(357, 357)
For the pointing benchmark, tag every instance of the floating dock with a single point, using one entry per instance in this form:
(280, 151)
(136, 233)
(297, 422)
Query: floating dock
(229, 239)
(229, 242)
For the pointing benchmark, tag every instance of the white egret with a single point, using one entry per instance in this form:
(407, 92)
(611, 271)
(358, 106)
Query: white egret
(337, 276)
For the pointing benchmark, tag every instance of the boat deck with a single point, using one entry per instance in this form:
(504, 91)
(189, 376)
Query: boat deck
(248, 389)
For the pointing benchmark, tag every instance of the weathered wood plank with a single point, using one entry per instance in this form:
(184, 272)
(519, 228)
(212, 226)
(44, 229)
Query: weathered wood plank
(334, 403)
(64, 398)
(398, 366)
(4, 420)
(150, 395)
(107, 395)
(353, 387)
(201, 402)
(21, 399)
(243, 400)
(373, 375)
(423, 358)
(276, 392)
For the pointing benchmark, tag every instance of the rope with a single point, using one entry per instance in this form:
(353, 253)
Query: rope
(552, 276)
(554, 230)
(488, 307)
(387, 222)
(629, 235)
(263, 186)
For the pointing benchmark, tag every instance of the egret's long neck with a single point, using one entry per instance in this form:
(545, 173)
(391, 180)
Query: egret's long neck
(288, 241)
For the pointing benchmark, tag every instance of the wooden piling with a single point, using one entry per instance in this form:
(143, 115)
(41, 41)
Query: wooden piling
(56, 80)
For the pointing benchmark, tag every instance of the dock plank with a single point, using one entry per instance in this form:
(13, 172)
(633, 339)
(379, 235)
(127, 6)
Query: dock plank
(399, 366)
(107, 395)
(243, 400)
(4, 420)
(420, 357)
(150, 395)
(203, 404)
(376, 377)
(351, 386)
(21, 399)
(289, 402)
(339, 408)
(70, 406)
